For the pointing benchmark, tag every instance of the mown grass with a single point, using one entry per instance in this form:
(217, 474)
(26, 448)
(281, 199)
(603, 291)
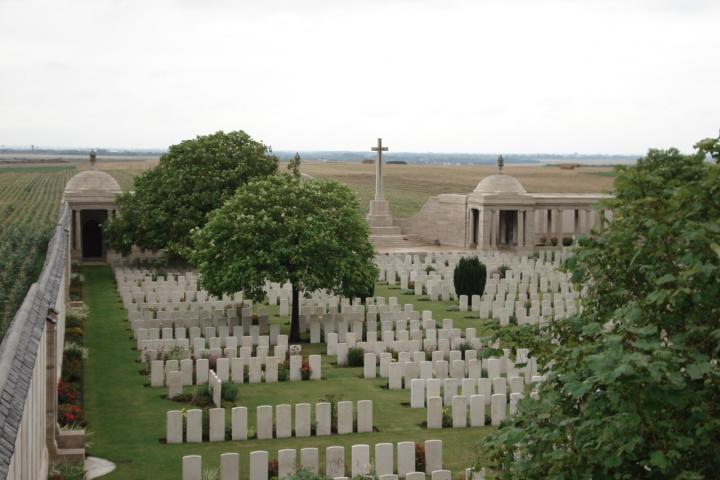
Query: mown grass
(127, 418)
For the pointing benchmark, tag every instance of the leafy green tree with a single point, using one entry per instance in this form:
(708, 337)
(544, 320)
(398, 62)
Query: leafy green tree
(633, 391)
(278, 229)
(192, 179)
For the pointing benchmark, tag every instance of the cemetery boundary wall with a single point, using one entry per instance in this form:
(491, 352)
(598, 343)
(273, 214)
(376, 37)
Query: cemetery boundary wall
(30, 357)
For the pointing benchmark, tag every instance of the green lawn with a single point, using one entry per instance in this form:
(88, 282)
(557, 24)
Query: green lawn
(127, 419)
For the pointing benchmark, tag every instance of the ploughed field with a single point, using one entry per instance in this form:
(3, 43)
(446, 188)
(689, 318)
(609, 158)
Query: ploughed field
(408, 187)
(29, 204)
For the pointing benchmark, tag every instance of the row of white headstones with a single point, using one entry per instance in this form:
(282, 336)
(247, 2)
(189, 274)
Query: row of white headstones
(283, 422)
(383, 465)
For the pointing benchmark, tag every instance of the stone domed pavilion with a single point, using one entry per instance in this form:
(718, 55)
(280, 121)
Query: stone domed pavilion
(501, 215)
(91, 196)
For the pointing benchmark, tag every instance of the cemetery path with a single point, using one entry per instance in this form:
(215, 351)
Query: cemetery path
(127, 418)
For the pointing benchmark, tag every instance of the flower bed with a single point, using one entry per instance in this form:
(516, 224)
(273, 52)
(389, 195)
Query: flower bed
(70, 388)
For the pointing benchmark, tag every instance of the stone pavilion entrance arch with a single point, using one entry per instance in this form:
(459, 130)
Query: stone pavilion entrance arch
(93, 246)
(508, 232)
(474, 227)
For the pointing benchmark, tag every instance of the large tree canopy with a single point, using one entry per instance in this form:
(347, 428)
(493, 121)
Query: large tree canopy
(192, 179)
(280, 229)
(634, 388)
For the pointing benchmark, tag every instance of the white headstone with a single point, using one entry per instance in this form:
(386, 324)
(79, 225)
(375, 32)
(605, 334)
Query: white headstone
(365, 416)
(477, 410)
(192, 467)
(433, 455)
(323, 418)
(434, 412)
(369, 365)
(286, 462)
(229, 466)
(360, 463)
(283, 422)
(417, 393)
(309, 459)
(264, 422)
(239, 423)
(334, 462)
(302, 420)
(497, 408)
(174, 426)
(259, 464)
(315, 367)
(406, 458)
(194, 426)
(459, 411)
(345, 417)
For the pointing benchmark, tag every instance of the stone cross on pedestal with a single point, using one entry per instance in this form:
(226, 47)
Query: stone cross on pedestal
(379, 218)
(379, 194)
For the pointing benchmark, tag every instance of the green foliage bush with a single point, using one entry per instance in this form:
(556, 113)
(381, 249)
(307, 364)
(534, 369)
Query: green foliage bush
(283, 371)
(463, 347)
(229, 391)
(633, 389)
(356, 357)
(304, 474)
(446, 417)
(75, 351)
(67, 471)
(470, 276)
(201, 396)
(419, 457)
(502, 270)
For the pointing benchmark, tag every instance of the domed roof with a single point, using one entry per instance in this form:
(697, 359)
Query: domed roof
(500, 183)
(92, 184)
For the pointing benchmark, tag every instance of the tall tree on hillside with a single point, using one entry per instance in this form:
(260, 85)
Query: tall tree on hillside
(310, 234)
(192, 179)
(633, 391)
(294, 166)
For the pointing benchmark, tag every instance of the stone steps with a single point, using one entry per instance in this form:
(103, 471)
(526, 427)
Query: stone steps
(385, 231)
(397, 241)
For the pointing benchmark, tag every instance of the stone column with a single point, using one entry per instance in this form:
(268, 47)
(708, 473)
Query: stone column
(76, 226)
(469, 232)
(496, 226)
(561, 212)
(491, 229)
(547, 221)
(530, 228)
(483, 223)
(521, 228)
(576, 221)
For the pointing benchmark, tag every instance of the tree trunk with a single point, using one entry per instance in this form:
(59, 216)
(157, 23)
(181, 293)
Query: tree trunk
(295, 316)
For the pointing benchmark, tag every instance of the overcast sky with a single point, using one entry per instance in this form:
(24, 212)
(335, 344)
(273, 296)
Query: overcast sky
(606, 76)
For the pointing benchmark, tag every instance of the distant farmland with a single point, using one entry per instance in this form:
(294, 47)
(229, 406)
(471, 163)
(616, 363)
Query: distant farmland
(29, 204)
(408, 187)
